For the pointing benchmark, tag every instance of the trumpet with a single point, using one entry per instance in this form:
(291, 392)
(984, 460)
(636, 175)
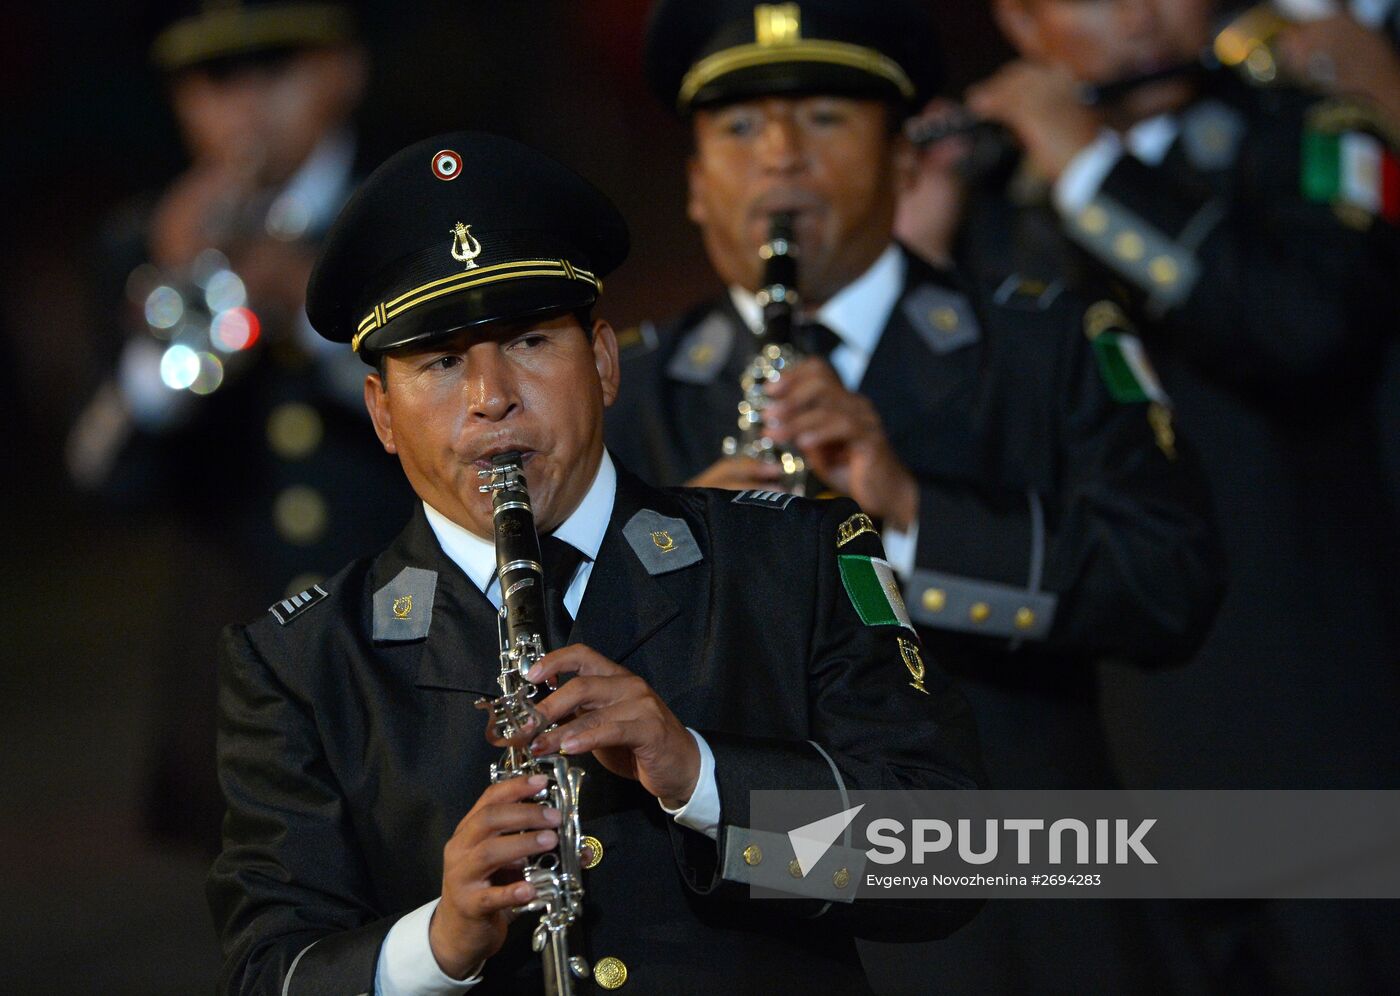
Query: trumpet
(200, 318)
(557, 876)
(775, 353)
(200, 314)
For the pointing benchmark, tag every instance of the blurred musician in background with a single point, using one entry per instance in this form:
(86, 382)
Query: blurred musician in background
(1345, 48)
(1251, 227)
(223, 412)
(1039, 516)
(1354, 49)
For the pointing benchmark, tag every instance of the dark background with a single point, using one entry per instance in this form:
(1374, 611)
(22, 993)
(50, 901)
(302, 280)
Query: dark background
(89, 904)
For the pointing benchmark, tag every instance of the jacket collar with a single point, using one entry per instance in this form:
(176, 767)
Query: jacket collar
(623, 607)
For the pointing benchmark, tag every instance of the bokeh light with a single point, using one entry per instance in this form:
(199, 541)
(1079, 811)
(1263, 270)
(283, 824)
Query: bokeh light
(234, 329)
(210, 375)
(179, 367)
(164, 307)
(223, 290)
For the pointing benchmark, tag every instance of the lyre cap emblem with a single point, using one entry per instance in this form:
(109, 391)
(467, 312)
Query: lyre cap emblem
(465, 247)
(663, 541)
(403, 605)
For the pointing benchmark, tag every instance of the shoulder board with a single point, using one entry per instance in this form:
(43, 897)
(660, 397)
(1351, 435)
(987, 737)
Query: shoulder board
(290, 608)
(1350, 161)
(944, 318)
(776, 500)
(1027, 293)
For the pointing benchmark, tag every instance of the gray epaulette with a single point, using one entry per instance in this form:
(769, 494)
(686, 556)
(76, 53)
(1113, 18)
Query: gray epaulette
(703, 351)
(944, 318)
(661, 543)
(403, 608)
(1211, 133)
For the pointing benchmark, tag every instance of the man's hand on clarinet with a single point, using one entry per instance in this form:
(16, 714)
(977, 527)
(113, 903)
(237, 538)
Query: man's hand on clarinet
(843, 440)
(608, 711)
(481, 881)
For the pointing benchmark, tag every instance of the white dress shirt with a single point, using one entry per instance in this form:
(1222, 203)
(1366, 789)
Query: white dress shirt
(1148, 141)
(406, 963)
(858, 314)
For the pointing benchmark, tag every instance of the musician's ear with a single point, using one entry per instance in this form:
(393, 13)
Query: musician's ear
(605, 360)
(1018, 23)
(377, 402)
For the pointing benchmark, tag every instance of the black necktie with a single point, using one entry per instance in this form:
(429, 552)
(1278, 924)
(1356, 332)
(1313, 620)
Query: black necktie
(815, 339)
(560, 561)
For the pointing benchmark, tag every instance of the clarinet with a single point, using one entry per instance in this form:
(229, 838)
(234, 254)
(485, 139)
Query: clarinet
(557, 875)
(775, 353)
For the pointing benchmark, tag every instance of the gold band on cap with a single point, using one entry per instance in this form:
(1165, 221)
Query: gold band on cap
(835, 53)
(518, 269)
(236, 29)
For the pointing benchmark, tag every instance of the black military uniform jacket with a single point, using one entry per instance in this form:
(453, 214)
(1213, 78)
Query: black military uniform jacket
(347, 761)
(1057, 526)
(1269, 276)
(1267, 304)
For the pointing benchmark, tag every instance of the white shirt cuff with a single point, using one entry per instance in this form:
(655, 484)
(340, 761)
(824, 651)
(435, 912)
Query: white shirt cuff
(901, 548)
(701, 812)
(406, 963)
(1086, 173)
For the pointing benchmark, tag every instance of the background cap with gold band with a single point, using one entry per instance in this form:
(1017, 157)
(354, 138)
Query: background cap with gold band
(456, 231)
(702, 54)
(209, 31)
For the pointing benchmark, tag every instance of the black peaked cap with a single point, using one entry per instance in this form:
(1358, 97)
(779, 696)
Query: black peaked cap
(204, 32)
(703, 54)
(457, 231)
